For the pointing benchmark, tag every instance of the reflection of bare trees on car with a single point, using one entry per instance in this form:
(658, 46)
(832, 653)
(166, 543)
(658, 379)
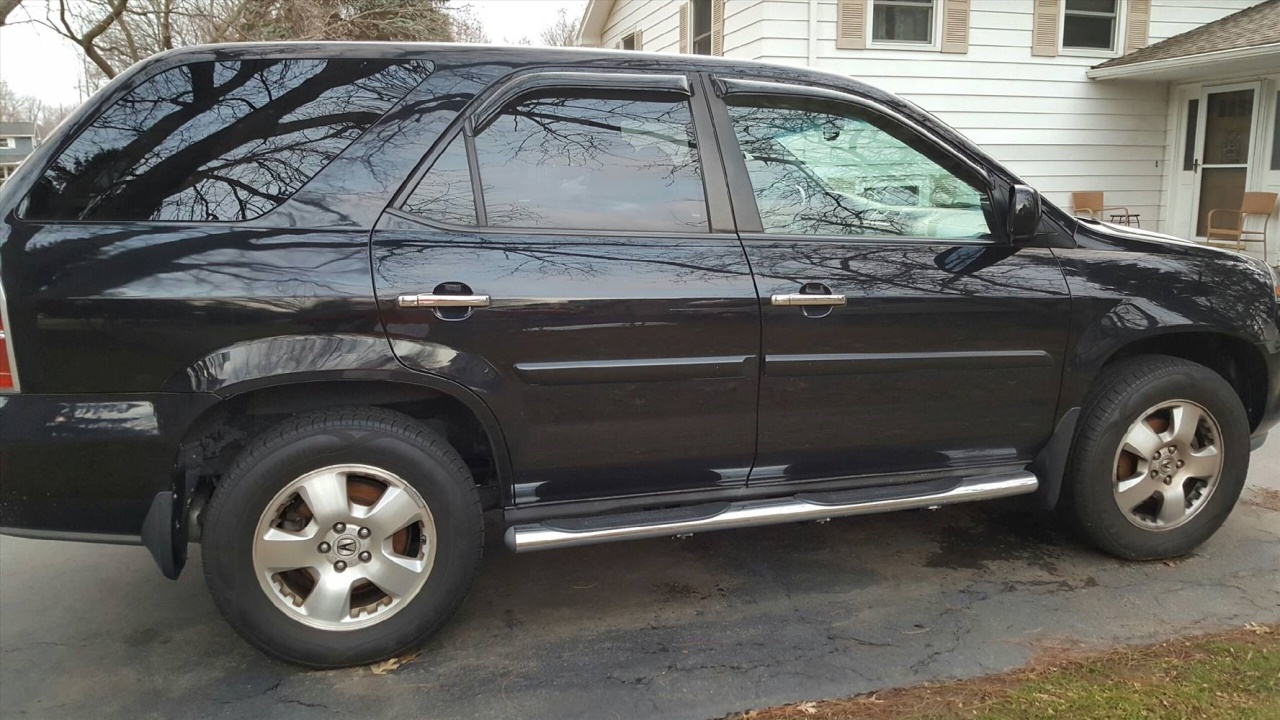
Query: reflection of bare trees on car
(269, 125)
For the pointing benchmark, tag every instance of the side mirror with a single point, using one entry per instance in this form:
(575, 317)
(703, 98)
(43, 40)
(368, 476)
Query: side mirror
(1024, 213)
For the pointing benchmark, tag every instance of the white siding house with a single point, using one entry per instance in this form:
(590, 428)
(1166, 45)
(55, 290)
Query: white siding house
(1003, 72)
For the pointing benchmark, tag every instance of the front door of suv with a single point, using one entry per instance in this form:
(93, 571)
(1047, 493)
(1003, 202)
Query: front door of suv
(564, 255)
(901, 332)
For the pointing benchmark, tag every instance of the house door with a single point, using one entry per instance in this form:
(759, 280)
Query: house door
(1225, 142)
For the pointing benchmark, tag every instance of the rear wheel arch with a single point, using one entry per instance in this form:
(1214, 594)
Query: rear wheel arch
(213, 440)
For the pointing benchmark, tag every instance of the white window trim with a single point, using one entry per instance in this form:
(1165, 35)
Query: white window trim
(622, 41)
(8, 143)
(694, 36)
(1117, 32)
(935, 41)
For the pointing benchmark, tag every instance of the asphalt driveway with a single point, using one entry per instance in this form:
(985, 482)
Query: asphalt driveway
(665, 628)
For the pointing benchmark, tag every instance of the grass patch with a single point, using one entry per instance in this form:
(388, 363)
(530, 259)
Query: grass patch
(1224, 676)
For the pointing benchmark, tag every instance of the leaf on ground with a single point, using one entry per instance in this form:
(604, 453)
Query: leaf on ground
(394, 663)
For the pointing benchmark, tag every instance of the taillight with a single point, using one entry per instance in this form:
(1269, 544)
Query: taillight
(8, 379)
(6, 369)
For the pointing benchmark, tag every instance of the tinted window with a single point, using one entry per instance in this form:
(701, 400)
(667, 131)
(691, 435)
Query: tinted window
(218, 141)
(445, 191)
(837, 170)
(621, 162)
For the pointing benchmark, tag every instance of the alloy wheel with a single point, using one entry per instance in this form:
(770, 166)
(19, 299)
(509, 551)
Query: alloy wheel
(344, 547)
(1168, 465)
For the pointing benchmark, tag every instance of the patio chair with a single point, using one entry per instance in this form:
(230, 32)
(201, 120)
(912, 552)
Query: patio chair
(1254, 204)
(1090, 203)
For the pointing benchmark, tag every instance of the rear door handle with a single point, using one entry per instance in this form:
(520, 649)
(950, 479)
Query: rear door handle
(443, 301)
(806, 299)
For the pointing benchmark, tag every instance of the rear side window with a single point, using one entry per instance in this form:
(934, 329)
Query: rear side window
(613, 161)
(218, 141)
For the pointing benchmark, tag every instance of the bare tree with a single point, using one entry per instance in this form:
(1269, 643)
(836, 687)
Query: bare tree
(467, 28)
(6, 7)
(114, 34)
(563, 32)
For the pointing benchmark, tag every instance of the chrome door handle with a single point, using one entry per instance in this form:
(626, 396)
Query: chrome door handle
(443, 301)
(805, 299)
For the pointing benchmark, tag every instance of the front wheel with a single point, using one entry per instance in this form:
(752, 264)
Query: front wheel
(342, 537)
(1159, 459)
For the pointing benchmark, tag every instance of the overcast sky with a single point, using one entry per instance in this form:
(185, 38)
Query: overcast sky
(36, 61)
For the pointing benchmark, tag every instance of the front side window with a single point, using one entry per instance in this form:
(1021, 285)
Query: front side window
(825, 169)
(608, 162)
(218, 141)
(700, 35)
(1089, 24)
(908, 21)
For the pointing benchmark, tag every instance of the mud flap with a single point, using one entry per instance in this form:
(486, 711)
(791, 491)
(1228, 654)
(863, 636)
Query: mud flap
(1050, 465)
(160, 533)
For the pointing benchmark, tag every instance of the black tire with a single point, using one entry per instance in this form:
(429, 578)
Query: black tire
(366, 436)
(1121, 394)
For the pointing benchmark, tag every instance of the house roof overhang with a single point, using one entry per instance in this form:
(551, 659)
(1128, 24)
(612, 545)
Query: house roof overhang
(591, 29)
(1202, 66)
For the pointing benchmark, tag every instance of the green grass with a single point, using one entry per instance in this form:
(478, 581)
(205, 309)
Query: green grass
(1227, 676)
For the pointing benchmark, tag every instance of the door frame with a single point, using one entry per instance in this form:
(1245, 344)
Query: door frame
(1250, 170)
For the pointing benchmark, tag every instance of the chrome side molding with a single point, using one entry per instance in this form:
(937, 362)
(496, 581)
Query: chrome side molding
(752, 513)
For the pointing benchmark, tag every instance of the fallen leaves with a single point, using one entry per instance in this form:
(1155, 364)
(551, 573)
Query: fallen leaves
(395, 663)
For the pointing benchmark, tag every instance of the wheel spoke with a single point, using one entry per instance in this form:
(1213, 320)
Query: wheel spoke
(326, 495)
(1132, 493)
(1142, 440)
(279, 550)
(394, 510)
(1204, 464)
(396, 576)
(1174, 505)
(1185, 418)
(330, 599)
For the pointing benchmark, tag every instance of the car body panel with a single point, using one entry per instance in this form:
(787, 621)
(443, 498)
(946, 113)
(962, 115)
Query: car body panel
(638, 358)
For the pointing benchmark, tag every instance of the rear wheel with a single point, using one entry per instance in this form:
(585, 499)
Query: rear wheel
(342, 537)
(1159, 460)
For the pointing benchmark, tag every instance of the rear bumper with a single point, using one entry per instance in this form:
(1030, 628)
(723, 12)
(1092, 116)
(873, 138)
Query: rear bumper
(88, 467)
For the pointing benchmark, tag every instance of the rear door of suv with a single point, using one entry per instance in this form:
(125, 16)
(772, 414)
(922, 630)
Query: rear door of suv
(901, 331)
(567, 251)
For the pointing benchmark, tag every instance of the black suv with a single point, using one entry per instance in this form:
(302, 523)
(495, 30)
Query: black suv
(320, 306)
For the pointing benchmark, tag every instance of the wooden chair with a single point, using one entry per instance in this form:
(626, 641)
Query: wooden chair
(1090, 203)
(1254, 204)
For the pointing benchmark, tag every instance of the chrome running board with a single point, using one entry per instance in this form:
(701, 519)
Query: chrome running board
(569, 532)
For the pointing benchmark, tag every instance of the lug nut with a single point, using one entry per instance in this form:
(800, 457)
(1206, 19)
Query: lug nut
(339, 527)
(1181, 463)
(1154, 472)
(1156, 456)
(365, 556)
(324, 547)
(1168, 481)
(364, 532)
(339, 566)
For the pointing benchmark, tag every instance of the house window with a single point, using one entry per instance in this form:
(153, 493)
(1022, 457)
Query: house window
(1090, 24)
(908, 21)
(1275, 136)
(8, 143)
(700, 32)
(1189, 142)
(629, 42)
